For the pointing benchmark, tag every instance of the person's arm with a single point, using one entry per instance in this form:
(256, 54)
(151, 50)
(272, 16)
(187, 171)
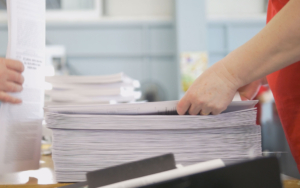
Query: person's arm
(275, 47)
(11, 79)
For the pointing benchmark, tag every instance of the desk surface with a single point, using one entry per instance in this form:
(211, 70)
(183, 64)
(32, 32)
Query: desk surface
(44, 178)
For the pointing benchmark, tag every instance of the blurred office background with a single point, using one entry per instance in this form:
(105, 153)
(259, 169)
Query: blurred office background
(145, 39)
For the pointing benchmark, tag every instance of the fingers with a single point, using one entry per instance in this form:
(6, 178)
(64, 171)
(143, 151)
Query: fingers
(11, 79)
(218, 109)
(4, 97)
(14, 76)
(206, 111)
(183, 106)
(12, 87)
(14, 65)
(194, 109)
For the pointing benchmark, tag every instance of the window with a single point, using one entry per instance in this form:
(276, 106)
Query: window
(66, 9)
(138, 8)
(73, 9)
(60, 10)
(69, 4)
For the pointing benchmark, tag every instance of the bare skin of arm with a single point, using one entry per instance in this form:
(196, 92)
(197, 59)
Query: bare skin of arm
(273, 48)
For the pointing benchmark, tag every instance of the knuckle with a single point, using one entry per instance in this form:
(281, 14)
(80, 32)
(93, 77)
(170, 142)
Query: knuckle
(192, 112)
(5, 98)
(21, 66)
(218, 109)
(18, 77)
(199, 101)
(12, 88)
(205, 112)
(192, 95)
(9, 87)
(180, 111)
(211, 106)
(3, 75)
(180, 104)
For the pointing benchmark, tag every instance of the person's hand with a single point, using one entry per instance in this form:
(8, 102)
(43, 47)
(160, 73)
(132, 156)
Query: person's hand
(11, 79)
(249, 91)
(211, 92)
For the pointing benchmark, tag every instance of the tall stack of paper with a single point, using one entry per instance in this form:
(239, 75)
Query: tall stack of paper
(92, 89)
(98, 136)
(20, 125)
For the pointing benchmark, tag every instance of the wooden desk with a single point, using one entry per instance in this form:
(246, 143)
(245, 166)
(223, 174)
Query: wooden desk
(44, 178)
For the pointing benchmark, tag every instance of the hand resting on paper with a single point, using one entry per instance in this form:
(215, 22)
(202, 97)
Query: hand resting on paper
(11, 79)
(211, 93)
(275, 47)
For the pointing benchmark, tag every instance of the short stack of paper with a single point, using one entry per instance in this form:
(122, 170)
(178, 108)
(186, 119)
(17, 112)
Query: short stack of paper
(92, 89)
(87, 138)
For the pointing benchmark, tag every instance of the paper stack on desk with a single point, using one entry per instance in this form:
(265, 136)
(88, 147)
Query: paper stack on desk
(97, 136)
(72, 90)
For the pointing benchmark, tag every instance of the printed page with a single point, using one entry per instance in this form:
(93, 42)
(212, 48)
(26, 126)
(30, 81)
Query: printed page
(20, 125)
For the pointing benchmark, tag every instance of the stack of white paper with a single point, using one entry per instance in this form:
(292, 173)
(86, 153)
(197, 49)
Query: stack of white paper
(91, 137)
(72, 90)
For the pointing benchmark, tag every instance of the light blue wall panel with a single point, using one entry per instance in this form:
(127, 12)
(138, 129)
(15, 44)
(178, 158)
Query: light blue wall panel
(226, 35)
(191, 27)
(100, 66)
(216, 38)
(238, 35)
(98, 40)
(164, 72)
(213, 58)
(162, 40)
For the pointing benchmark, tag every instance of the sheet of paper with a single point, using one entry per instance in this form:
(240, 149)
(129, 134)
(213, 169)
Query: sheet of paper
(162, 108)
(20, 125)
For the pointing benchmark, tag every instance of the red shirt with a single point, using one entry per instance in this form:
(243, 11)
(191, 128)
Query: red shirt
(261, 90)
(285, 85)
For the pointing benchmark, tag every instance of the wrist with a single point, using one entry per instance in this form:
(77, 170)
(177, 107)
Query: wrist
(228, 74)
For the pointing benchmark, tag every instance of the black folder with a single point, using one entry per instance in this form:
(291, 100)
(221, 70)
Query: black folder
(257, 173)
(127, 171)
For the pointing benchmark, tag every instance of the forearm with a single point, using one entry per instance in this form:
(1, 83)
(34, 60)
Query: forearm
(275, 47)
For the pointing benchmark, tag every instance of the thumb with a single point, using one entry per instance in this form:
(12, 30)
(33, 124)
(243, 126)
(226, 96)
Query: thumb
(243, 98)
